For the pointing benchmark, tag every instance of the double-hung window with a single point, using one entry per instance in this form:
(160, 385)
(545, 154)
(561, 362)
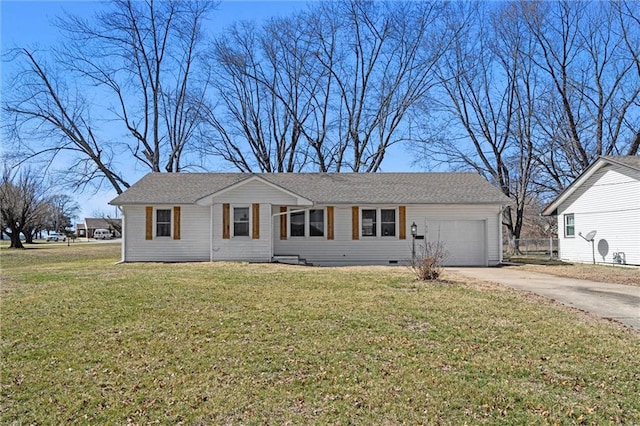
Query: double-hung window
(369, 225)
(163, 222)
(569, 226)
(388, 222)
(241, 221)
(378, 222)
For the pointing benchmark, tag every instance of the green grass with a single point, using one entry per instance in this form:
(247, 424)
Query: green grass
(87, 341)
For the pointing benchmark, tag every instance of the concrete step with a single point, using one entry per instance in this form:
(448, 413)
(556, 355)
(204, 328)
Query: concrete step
(289, 260)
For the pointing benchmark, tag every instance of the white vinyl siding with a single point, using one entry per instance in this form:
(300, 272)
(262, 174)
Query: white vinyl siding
(246, 249)
(342, 250)
(193, 244)
(608, 203)
(242, 248)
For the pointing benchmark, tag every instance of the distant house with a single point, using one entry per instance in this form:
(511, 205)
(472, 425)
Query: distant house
(605, 198)
(322, 219)
(90, 224)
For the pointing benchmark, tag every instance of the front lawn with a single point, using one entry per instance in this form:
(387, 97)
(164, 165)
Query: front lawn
(87, 341)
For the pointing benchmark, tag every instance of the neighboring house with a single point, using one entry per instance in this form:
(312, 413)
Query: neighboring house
(605, 198)
(325, 219)
(90, 224)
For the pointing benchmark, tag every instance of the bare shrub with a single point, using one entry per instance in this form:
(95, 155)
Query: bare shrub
(428, 260)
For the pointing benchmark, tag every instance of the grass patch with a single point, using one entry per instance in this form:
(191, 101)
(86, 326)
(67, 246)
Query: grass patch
(87, 341)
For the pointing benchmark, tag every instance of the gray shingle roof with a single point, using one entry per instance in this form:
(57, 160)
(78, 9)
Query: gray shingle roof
(97, 223)
(322, 188)
(632, 161)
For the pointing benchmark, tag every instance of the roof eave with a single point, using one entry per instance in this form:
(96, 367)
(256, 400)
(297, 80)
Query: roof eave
(552, 208)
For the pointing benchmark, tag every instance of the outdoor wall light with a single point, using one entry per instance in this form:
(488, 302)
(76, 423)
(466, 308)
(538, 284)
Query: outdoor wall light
(414, 232)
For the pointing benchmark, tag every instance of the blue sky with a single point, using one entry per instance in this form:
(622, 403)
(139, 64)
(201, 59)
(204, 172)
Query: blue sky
(29, 24)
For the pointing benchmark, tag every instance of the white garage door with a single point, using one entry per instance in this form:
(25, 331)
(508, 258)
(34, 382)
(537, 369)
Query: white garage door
(464, 240)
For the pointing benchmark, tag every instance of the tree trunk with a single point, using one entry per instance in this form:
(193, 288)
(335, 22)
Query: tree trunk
(15, 241)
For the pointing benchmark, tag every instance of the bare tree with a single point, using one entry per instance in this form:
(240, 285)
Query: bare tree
(22, 205)
(330, 88)
(62, 209)
(386, 68)
(589, 57)
(136, 64)
(629, 20)
(260, 82)
(489, 90)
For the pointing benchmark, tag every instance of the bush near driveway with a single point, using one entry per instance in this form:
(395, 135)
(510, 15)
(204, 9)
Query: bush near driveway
(87, 341)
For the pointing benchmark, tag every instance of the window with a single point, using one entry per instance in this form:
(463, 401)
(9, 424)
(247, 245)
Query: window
(163, 223)
(241, 221)
(569, 226)
(388, 223)
(368, 223)
(316, 223)
(297, 224)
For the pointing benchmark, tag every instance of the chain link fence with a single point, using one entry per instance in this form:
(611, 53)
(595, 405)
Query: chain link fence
(539, 247)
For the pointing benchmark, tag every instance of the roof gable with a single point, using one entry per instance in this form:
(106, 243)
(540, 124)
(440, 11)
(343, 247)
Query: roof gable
(631, 162)
(320, 188)
(208, 199)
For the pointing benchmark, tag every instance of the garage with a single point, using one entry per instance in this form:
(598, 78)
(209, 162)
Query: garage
(464, 241)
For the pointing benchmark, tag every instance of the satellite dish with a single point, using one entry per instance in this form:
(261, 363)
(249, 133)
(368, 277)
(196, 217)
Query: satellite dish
(590, 235)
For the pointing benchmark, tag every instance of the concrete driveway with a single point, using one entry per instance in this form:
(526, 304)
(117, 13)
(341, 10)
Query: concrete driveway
(612, 301)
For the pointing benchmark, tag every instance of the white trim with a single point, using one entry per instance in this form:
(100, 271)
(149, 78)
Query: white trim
(586, 174)
(232, 222)
(123, 246)
(155, 223)
(378, 230)
(307, 223)
(565, 216)
(211, 233)
(206, 200)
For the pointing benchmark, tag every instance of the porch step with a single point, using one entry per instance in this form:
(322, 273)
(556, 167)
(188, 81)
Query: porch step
(290, 260)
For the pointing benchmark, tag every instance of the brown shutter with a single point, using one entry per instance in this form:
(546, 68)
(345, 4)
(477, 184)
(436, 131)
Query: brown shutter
(355, 223)
(149, 223)
(329, 222)
(176, 222)
(402, 211)
(283, 223)
(225, 221)
(255, 234)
